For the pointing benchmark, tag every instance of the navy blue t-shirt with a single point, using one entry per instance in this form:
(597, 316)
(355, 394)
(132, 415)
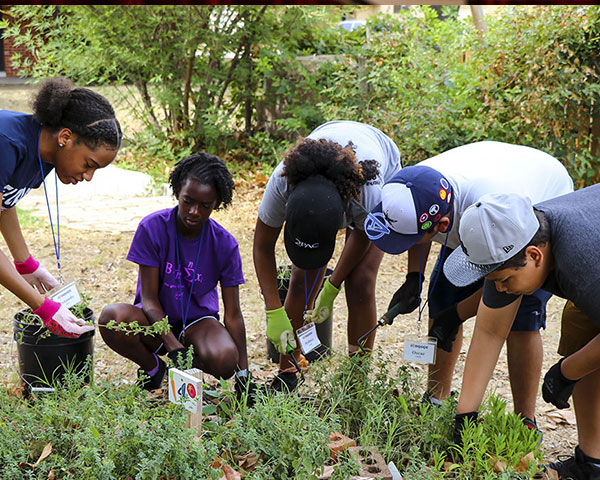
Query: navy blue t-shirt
(19, 164)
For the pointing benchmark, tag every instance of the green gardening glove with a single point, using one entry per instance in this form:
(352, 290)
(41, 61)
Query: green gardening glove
(324, 303)
(280, 331)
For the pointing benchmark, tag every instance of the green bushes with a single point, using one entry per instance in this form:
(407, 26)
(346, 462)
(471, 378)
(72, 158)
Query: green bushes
(242, 82)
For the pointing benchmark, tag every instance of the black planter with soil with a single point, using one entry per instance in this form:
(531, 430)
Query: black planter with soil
(44, 358)
(324, 329)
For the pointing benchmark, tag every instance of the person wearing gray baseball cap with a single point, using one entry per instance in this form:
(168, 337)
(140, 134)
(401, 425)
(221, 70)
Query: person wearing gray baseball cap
(519, 248)
(327, 182)
(423, 204)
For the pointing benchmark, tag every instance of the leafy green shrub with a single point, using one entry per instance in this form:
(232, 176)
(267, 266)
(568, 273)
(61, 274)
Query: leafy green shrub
(99, 432)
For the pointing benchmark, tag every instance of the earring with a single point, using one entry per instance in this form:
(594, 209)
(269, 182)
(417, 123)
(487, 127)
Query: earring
(60, 145)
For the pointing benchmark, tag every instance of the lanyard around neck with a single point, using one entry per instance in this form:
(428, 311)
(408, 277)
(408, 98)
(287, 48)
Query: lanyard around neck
(437, 274)
(56, 243)
(308, 294)
(185, 311)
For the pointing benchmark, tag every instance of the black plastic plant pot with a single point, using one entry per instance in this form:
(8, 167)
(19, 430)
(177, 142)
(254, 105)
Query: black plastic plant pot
(324, 329)
(44, 358)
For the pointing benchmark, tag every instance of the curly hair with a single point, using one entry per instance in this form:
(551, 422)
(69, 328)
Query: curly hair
(58, 104)
(336, 163)
(206, 169)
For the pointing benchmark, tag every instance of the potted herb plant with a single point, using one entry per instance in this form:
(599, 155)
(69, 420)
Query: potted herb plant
(44, 358)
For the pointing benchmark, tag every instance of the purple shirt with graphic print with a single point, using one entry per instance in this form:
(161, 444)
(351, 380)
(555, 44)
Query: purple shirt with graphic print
(219, 261)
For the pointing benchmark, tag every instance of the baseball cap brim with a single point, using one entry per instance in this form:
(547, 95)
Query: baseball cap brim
(461, 272)
(386, 239)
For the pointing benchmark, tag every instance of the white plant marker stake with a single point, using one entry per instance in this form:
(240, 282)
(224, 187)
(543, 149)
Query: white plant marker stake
(185, 388)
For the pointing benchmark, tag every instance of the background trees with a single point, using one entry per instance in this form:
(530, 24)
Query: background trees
(245, 81)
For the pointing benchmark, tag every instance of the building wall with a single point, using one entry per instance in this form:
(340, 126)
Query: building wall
(9, 50)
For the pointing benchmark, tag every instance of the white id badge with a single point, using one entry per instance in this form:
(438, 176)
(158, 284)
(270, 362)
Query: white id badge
(67, 295)
(420, 349)
(308, 338)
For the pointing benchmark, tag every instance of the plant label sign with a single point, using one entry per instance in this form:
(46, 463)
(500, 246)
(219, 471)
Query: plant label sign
(420, 349)
(67, 295)
(185, 388)
(308, 338)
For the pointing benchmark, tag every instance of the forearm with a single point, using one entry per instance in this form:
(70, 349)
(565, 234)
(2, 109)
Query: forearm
(417, 258)
(263, 253)
(234, 323)
(355, 248)
(11, 231)
(491, 329)
(17, 285)
(584, 361)
(481, 361)
(155, 313)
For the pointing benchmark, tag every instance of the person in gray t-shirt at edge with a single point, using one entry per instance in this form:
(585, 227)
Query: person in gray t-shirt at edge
(557, 249)
(327, 182)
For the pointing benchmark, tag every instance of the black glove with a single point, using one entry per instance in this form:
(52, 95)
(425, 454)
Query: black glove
(445, 328)
(178, 357)
(408, 294)
(557, 388)
(243, 385)
(460, 419)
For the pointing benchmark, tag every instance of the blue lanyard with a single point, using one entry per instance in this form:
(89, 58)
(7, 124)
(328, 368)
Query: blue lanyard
(307, 295)
(185, 311)
(437, 273)
(56, 245)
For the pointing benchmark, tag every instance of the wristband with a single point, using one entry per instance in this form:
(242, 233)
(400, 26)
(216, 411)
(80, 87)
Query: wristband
(28, 266)
(47, 310)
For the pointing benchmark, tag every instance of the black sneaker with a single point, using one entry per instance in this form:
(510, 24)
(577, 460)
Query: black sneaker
(576, 468)
(285, 382)
(155, 381)
(532, 425)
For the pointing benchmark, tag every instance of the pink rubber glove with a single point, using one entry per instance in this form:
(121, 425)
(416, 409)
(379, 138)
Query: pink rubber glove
(60, 321)
(36, 275)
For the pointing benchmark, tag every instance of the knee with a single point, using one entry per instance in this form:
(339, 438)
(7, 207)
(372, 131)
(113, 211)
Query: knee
(361, 284)
(108, 313)
(221, 363)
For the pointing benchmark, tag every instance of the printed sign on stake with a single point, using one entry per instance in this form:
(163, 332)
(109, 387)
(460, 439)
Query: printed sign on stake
(186, 389)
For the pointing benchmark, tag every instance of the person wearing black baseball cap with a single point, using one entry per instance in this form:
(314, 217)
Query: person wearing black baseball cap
(520, 248)
(327, 182)
(424, 203)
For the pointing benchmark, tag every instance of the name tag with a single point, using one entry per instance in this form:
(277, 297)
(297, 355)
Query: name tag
(67, 295)
(420, 349)
(308, 338)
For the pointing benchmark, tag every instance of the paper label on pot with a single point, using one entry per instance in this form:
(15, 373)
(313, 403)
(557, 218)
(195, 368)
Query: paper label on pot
(420, 349)
(308, 338)
(185, 388)
(67, 295)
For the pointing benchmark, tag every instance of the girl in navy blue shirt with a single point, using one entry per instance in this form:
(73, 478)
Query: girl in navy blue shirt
(74, 131)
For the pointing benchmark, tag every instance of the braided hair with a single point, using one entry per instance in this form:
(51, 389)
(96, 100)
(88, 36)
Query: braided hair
(89, 115)
(336, 163)
(206, 169)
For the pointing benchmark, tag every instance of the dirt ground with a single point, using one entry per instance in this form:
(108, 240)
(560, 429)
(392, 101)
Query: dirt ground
(97, 261)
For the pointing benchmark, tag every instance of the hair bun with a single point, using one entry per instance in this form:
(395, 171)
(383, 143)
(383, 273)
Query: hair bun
(51, 100)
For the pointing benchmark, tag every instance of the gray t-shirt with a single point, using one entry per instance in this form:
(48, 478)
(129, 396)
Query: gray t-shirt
(368, 142)
(575, 235)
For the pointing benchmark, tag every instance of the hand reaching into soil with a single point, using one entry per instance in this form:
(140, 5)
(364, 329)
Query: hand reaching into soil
(60, 321)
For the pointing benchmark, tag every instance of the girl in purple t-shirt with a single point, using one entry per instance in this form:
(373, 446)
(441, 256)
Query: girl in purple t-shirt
(182, 255)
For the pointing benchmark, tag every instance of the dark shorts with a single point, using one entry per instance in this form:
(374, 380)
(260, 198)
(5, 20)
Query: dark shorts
(179, 332)
(530, 317)
(576, 330)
